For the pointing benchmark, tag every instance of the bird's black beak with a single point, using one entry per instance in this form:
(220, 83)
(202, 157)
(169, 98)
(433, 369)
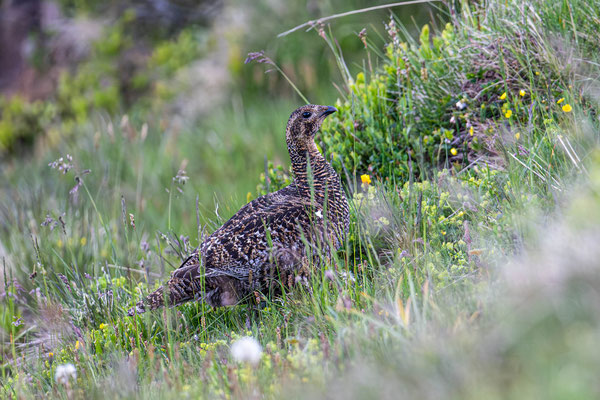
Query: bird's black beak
(329, 110)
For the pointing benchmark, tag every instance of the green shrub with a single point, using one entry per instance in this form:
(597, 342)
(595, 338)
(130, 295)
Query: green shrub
(274, 178)
(99, 84)
(21, 121)
(446, 99)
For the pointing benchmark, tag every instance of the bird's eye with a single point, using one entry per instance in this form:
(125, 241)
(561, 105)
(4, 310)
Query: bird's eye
(306, 114)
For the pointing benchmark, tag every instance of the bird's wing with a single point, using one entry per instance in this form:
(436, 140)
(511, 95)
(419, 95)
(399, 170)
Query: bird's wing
(245, 243)
(260, 204)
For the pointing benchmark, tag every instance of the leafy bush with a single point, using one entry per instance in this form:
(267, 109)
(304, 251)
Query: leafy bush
(119, 74)
(447, 98)
(21, 121)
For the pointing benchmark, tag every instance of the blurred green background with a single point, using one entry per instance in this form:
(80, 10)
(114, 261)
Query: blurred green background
(71, 70)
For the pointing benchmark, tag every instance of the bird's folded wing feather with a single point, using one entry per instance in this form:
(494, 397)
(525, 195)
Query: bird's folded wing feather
(246, 243)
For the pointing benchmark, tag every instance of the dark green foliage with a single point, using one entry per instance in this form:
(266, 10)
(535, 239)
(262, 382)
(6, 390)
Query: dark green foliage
(21, 122)
(119, 74)
(444, 99)
(274, 178)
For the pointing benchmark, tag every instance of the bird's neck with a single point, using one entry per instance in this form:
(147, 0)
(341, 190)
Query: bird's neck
(314, 178)
(318, 182)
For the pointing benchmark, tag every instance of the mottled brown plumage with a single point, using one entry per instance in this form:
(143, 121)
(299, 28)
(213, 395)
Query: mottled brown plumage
(272, 240)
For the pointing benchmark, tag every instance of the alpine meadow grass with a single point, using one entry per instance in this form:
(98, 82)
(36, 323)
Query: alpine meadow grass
(471, 160)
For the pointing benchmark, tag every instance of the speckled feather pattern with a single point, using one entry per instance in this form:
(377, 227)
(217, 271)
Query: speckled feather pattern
(272, 241)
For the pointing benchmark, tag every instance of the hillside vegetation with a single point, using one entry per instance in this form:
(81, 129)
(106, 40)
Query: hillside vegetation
(471, 159)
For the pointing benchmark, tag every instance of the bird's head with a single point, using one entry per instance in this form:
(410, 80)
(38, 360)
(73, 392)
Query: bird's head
(304, 124)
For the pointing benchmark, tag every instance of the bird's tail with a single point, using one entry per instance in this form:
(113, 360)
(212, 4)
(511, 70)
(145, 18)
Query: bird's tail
(186, 283)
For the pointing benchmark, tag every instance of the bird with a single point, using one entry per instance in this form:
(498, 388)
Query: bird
(273, 240)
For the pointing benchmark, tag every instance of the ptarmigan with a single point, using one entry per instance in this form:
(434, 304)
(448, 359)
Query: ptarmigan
(271, 241)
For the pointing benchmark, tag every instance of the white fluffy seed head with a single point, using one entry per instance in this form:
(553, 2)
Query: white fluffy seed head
(246, 349)
(64, 373)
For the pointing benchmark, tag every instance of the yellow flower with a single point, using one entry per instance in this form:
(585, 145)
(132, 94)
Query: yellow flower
(77, 345)
(453, 151)
(102, 326)
(383, 221)
(51, 354)
(508, 113)
(537, 72)
(517, 135)
(471, 131)
(248, 197)
(522, 93)
(366, 179)
(567, 108)
(503, 96)
(560, 100)
(83, 241)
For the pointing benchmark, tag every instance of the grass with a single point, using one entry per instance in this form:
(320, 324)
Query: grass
(467, 274)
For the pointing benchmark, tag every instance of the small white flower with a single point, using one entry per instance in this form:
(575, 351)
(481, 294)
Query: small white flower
(461, 105)
(319, 214)
(246, 349)
(347, 276)
(64, 373)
